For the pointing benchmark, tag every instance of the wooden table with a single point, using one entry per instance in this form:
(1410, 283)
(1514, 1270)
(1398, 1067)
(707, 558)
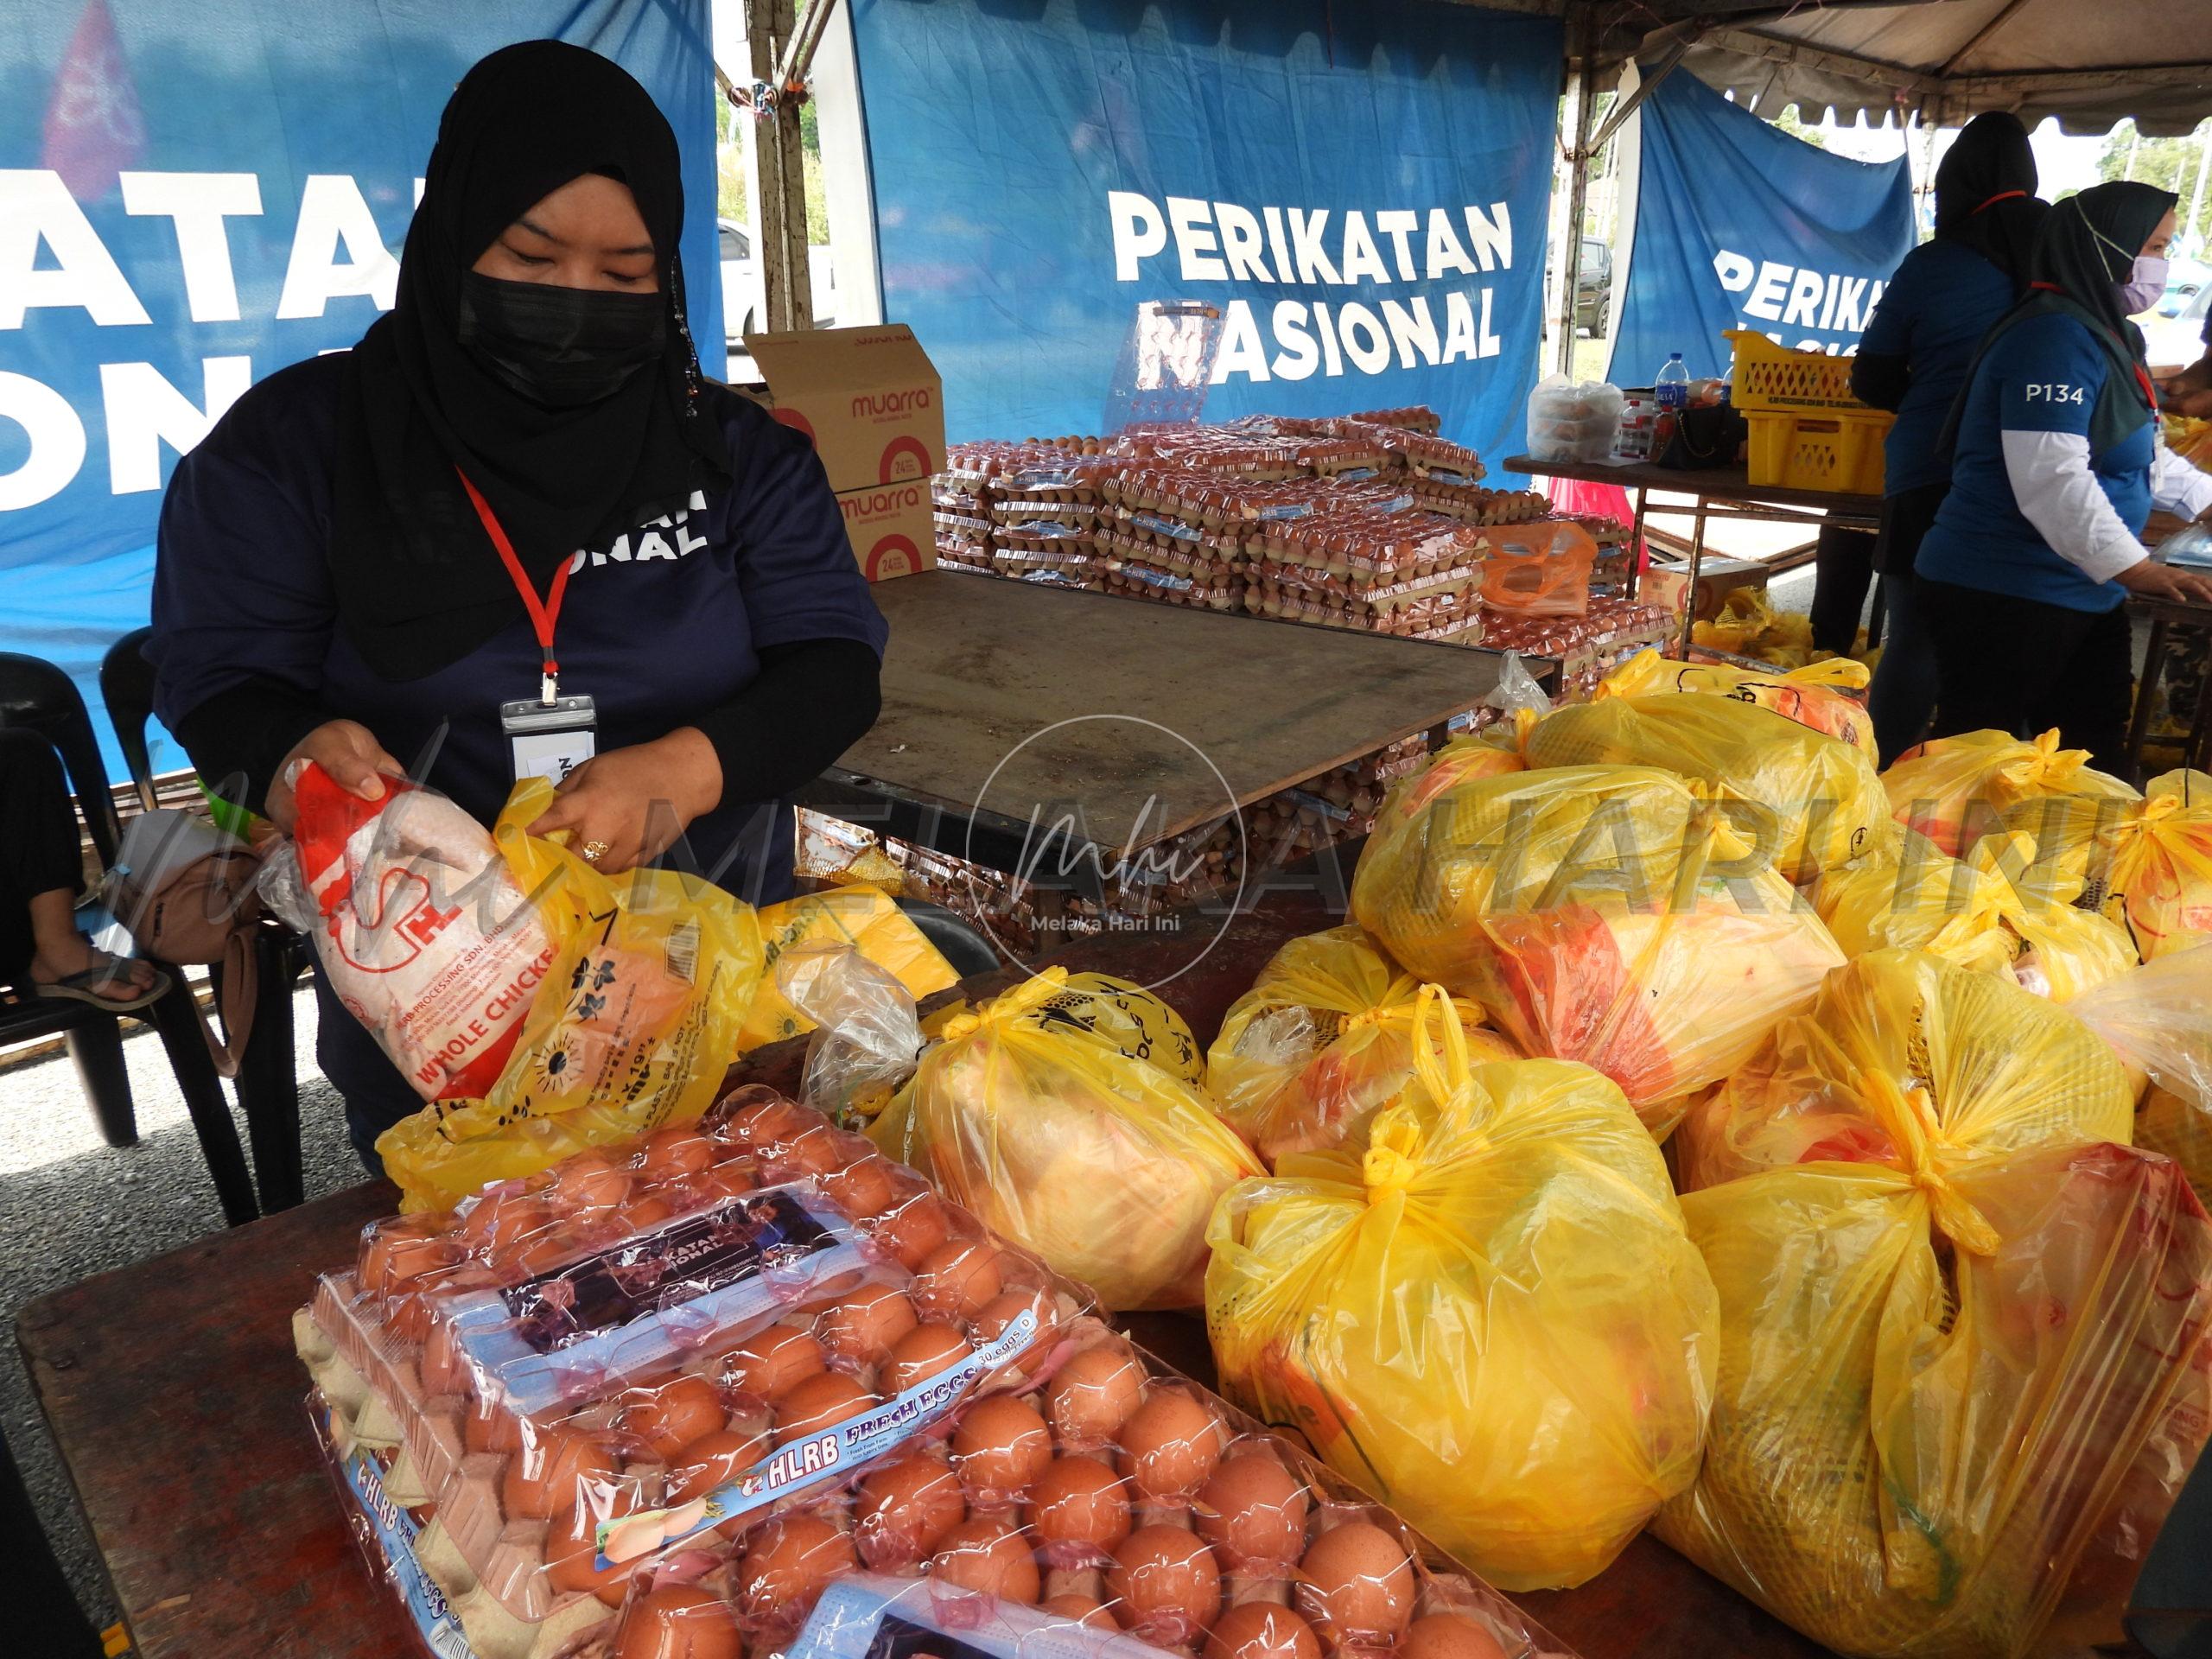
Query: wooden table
(1722, 493)
(1009, 708)
(176, 1400)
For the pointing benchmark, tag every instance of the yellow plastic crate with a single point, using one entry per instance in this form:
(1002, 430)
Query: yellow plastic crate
(1797, 449)
(1768, 376)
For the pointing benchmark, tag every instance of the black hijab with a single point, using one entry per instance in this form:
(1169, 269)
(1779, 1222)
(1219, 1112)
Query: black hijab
(419, 585)
(1985, 195)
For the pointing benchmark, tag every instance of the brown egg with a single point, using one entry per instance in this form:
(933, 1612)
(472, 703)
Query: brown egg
(1449, 1636)
(1081, 1504)
(1164, 1585)
(996, 1315)
(571, 1546)
(819, 1150)
(674, 1414)
(958, 1278)
(645, 1212)
(497, 1219)
(817, 1402)
(769, 1121)
(910, 1232)
(541, 1480)
(1094, 1394)
(1355, 1585)
(1001, 1446)
(488, 1428)
(767, 1363)
(1252, 1511)
(400, 1252)
(1171, 1445)
(715, 1459)
(670, 1155)
(864, 1188)
(921, 1354)
(679, 1621)
(990, 1558)
(537, 1252)
(1260, 1629)
(786, 1565)
(864, 1325)
(590, 1180)
(1079, 1610)
(903, 1510)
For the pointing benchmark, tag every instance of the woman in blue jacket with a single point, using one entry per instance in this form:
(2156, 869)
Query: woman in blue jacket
(1913, 359)
(2025, 576)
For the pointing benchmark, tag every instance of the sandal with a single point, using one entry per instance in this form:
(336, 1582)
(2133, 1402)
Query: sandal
(85, 988)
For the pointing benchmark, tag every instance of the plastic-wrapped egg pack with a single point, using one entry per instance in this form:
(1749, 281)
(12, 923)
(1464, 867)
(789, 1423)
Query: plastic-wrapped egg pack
(650, 1346)
(1113, 1509)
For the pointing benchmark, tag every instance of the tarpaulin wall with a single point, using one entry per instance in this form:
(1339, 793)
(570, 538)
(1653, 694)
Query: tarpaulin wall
(1362, 189)
(195, 193)
(1740, 225)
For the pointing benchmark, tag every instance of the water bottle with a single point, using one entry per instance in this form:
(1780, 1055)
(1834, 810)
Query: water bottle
(1670, 390)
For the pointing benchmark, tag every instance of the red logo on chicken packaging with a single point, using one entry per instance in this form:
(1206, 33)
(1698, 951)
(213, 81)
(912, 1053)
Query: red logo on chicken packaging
(793, 419)
(910, 451)
(895, 556)
(874, 405)
(407, 913)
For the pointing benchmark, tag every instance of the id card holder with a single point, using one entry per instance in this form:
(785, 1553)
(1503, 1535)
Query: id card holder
(549, 740)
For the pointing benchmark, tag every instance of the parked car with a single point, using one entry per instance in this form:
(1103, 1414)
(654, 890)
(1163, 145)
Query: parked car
(1593, 288)
(2177, 341)
(744, 297)
(2184, 279)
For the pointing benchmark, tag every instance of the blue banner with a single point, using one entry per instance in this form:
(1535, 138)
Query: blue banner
(1740, 225)
(1360, 190)
(194, 193)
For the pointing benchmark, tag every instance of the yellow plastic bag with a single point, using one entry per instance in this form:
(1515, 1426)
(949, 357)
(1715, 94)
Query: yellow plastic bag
(1321, 1042)
(2157, 867)
(1913, 897)
(1814, 696)
(2003, 1068)
(1956, 789)
(1482, 1310)
(1962, 1353)
(861, 917)
(1462, 760)
(2155, 1019)
(1600, 914)
(1036, 1113)
(1808, 802)
(634, 1026)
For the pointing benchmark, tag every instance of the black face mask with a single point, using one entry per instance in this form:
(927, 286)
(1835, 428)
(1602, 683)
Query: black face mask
(560, 347)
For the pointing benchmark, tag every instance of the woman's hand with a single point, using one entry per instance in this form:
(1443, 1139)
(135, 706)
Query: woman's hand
(635, 802)
(345, 749)
(2156, 581)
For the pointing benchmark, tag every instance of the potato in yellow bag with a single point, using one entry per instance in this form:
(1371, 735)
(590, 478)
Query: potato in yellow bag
(1814, 696)
(1482, 1310)
(2156, 866)
(864, 918)
(1808, 801)
(1057, 1115)
(632, 1028)
(1962, 1346)
(1956, 789)
(1322, 1041)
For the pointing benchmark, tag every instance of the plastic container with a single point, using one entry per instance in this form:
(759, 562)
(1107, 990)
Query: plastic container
(1632, 433)
(1569, 422)
(1804, 451)
(1768, 376)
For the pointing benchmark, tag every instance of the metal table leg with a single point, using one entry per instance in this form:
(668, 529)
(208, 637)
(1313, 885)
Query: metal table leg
(1636, 552)
(1697, 559)
(2154, 662)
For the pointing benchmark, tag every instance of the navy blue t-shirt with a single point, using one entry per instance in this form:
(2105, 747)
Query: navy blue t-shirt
(1943, 300)
(2045, 376)
(658, 627)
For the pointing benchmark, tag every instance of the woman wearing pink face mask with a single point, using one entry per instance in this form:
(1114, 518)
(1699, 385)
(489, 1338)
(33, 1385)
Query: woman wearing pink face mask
(2056, 466)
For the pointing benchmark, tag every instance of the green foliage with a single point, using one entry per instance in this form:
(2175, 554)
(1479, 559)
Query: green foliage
(1789, 123)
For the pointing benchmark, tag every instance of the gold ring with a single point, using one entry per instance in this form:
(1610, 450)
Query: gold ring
(595, 850)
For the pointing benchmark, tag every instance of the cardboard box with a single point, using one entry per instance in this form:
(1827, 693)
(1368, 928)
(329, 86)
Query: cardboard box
(1668, 589)
(890, 528)
(870, 398)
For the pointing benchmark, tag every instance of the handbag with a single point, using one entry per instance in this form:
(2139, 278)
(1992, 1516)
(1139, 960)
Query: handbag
(1708, 435)
(185, 892)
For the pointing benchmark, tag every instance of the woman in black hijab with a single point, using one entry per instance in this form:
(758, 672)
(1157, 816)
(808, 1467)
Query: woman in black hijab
(1913, 357)
(515, 531)
(2056, 466)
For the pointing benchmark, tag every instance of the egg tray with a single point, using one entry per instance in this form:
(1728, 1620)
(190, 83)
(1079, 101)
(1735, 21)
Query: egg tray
(871, 1282)
(1377, 546)
(1115, 1507)
(1418, 417)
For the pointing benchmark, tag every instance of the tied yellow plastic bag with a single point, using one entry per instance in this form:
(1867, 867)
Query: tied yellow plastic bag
(1321, 1042)
(1956, 789)
(2157, 867)
(1603, 914)
(1962, 1353)
(1913, 897)
(1808, 801)
(632, 1028)
(2155, 1019)
(1484, 1310)
(863, 917)
(1815, 695)
(1464, 760)
(1037, 1114)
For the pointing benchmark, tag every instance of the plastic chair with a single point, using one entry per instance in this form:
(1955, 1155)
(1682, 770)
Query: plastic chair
(35, 696)
(268, 1086)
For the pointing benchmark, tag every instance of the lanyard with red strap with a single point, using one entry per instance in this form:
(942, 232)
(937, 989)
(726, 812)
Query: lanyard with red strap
(2142, 375)
(544, 614)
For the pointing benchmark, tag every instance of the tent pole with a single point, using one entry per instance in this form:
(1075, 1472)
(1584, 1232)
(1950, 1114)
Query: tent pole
(779, 170)
(1577, 120)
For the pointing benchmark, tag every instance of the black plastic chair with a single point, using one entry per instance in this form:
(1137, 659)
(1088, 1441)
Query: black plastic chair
(268, 1085)
(35, 696)
(968, 950)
